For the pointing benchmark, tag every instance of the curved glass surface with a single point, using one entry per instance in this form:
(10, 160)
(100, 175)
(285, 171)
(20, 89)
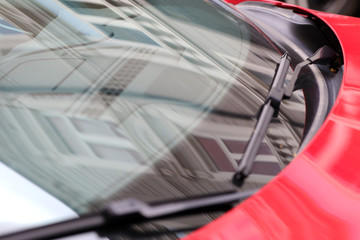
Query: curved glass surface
(103, 100)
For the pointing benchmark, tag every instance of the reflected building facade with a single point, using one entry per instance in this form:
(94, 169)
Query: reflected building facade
(149, 114)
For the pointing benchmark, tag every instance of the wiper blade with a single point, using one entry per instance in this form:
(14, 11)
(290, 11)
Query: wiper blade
(280, 89)
(119, 215)
(269, 109)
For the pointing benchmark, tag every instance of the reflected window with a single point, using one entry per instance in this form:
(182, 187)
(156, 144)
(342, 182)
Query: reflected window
(236, 146)
(114, 153)
(94, 127)
(217, 154)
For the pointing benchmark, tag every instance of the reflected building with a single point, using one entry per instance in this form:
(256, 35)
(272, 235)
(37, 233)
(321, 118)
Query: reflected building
(149, 114)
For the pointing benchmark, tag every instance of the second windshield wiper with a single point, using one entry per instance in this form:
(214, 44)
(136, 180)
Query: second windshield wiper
(280, 89)
(119, 215)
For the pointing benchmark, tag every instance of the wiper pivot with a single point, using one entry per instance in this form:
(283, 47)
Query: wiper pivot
(280, 89)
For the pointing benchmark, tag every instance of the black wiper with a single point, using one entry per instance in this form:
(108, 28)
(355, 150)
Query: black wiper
(280, 89)
(119, 215)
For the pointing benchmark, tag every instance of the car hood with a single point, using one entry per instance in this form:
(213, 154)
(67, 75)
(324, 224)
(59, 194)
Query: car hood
(318, 195)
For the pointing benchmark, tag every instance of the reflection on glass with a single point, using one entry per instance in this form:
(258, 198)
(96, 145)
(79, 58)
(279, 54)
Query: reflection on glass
(102, 100)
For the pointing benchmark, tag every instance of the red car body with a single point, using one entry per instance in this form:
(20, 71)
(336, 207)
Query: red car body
(318, 195)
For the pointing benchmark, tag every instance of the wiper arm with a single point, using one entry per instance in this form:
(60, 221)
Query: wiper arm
(279, 90)
(119, 215)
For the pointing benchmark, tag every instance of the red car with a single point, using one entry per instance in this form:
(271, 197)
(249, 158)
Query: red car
(151, 119)
(317, 195)
(347, 7)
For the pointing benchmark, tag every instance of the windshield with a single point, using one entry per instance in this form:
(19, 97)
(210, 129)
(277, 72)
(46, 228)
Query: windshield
(104, 100)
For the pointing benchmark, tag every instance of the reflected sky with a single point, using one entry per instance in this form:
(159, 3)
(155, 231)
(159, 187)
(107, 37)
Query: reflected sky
(24, 204)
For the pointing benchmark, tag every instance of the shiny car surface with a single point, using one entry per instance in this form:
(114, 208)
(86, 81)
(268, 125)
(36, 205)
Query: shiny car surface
(346, 7)
(343, 7)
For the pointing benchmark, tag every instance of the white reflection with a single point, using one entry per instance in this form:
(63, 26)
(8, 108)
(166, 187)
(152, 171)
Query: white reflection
(26, 204)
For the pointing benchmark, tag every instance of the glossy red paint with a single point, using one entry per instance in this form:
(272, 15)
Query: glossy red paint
(318, 195)
(239, 1)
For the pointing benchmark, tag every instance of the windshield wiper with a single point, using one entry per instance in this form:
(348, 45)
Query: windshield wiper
(119, 215)
(280, 89)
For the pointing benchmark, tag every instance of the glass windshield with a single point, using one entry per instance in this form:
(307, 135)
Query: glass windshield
(104, 100)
